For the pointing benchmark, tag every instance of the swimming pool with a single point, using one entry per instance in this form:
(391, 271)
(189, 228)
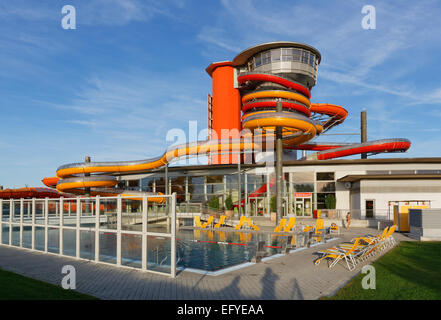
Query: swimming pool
(196, 250)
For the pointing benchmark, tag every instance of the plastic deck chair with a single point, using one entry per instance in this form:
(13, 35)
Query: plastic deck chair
(220, 222)
(337, 254)
(209, 222)
(197, 221)
(281, 225)
(319, 228)
(291, 223)
(252, 225)
(241, 223)
(373, 239)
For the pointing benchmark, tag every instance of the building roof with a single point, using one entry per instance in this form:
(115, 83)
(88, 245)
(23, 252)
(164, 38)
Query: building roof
(357, 177)
(243, 57)
(296, 163)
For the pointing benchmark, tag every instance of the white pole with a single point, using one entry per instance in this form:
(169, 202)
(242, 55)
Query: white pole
(97, 228)
(144, 232)
(21, 221)
(77, 234)
(60, 233)
(1, 221)
(118, 229)
(46, 223)
(173, 237)
(11, 215)
(33, 223)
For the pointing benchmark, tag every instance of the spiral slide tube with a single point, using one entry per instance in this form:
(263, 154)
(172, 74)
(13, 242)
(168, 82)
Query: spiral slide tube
(301, 121)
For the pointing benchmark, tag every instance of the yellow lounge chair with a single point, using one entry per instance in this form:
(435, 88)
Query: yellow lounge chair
(291, 223)
(209, 222)
(338, 254)
(197, 221)
(281, 225)
(220, 222)
(241, 223)
(319, 228)
(252, 225)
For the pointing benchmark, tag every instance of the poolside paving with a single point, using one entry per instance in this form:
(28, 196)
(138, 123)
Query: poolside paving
(292, 276)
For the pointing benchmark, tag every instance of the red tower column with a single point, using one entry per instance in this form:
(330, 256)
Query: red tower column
(226, 104)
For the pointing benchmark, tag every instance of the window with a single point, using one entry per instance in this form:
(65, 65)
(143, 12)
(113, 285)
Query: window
(258, 61)
(370, 208)
(266, 57)
(275, 55)
(326, 186)
(295, 54)
(287, 54)
(325, 176)
(305, 55)
(311, 59)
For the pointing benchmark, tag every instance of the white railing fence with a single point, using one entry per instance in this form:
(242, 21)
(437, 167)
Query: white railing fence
(125, 231)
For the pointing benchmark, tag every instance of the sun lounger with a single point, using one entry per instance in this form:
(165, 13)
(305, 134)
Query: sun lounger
(197, 221)
(252, 225)
(209, 222)
(220, 222)
(241, 223)
(281, 225)
(291, 223)
(337, 253)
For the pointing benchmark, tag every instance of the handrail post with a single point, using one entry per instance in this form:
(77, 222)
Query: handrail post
(97, 228)
(11, 214)
(144, 232)
(61, 224)
(118, 229)
(21, 220)
(173, 237)
(33, 223)
(46, 223)
(1, 221)
(77, 231)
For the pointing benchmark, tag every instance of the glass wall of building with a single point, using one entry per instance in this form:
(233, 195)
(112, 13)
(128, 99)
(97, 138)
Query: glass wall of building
(302, 191)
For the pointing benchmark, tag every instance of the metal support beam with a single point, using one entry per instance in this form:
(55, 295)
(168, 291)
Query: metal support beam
(239, 186)
(363, 128)
(279, 167)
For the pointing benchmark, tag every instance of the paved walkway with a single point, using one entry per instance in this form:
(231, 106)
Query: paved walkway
(292, 276)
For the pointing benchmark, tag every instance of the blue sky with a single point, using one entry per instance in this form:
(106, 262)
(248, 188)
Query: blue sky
(133, 69)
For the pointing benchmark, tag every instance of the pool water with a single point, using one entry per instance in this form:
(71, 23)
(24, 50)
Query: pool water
(195, 249)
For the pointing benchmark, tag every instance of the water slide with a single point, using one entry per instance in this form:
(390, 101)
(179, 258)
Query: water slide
(301, 121)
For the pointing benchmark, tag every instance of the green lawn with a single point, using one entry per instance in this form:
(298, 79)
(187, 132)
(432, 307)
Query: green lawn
(17, 287)
(410, 271)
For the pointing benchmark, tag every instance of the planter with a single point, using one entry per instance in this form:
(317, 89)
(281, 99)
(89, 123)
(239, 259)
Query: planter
(273, 216)
(332, 214)
(229, 213)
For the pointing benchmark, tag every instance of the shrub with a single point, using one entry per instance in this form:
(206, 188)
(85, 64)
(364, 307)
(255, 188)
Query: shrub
(330, 201)
(229, 203)
(213, 203)
(273, 204)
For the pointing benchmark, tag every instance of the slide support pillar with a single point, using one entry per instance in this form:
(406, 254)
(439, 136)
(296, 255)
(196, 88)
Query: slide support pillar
(279, 167)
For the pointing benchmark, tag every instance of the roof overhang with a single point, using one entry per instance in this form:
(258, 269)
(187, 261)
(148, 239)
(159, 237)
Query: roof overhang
(356, 177)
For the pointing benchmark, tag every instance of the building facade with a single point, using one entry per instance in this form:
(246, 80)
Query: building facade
(368, 188)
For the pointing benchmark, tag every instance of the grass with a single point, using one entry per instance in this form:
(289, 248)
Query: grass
(17, 287)
(411, 271)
